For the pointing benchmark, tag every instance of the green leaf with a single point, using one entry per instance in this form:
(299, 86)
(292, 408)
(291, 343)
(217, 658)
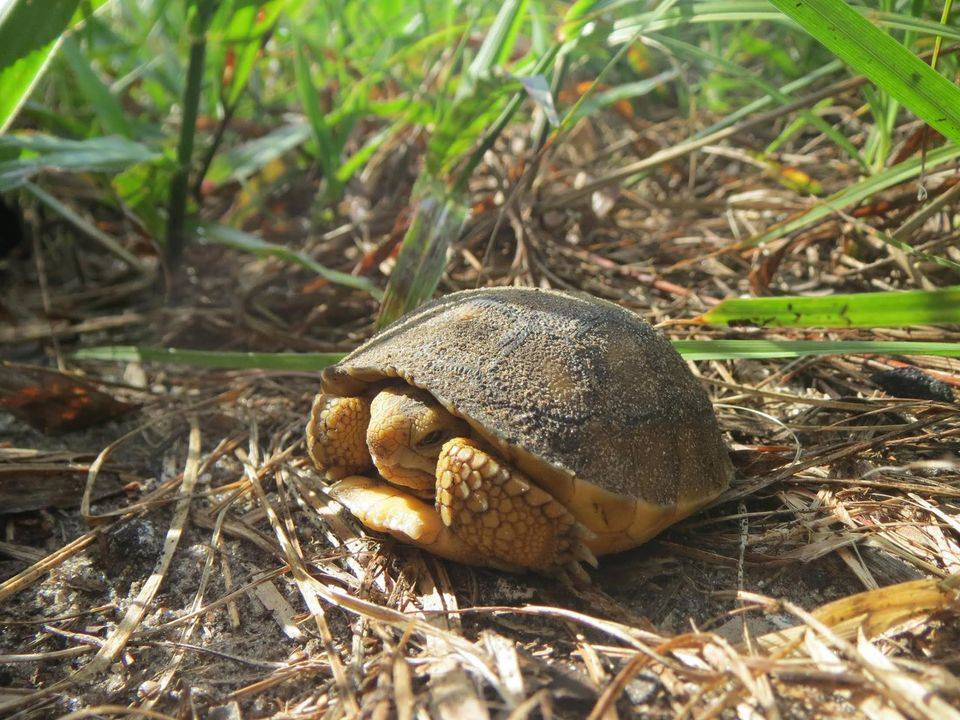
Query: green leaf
(239, 240)
(760, 349)
(39, 152)
(30, 32)
(879, 309)
(293, 362)
(857, 192)
(876, 55)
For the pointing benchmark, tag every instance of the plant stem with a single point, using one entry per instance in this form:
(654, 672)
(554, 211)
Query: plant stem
(211, 152)
(938, 43)
(228, 110)
(177, 208)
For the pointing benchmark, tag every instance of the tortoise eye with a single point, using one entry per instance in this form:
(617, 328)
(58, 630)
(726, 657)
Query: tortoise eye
(432, 437)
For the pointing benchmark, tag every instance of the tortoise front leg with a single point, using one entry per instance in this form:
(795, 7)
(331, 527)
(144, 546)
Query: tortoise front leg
(336, 441)
(388, 509)
(337, 435)
(497, 510)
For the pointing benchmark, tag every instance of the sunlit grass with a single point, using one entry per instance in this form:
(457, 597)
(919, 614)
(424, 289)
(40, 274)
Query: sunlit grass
(457, 77)
(862, 310)
(688, 349)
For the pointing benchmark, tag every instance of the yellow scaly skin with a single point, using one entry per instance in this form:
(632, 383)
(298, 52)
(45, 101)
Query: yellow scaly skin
(485, 512)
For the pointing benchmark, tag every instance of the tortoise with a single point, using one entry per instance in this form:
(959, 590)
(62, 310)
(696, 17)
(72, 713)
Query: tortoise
(519, 429)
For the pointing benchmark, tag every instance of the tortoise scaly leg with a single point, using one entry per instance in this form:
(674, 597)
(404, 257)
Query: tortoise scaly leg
(497, 510)
(336, 435)
(389, 509)
(337, 443)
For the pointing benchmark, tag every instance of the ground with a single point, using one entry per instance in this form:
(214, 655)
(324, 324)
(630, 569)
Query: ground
(212, 578)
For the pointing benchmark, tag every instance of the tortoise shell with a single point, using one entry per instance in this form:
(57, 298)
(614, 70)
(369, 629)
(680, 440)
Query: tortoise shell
(582, 395)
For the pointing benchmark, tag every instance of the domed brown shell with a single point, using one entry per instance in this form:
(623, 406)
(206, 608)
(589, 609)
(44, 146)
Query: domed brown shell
(570, 388)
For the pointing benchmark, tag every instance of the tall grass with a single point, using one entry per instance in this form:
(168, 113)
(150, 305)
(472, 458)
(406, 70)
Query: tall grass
(86, 87)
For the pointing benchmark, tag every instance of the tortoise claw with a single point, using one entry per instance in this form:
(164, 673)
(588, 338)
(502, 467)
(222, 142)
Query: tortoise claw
(582, 553)
(583, 532)
(575, 572)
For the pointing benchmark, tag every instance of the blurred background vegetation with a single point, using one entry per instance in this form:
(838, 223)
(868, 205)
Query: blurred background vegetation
(147, 129)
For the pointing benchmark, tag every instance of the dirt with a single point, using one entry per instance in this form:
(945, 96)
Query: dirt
(852, 518)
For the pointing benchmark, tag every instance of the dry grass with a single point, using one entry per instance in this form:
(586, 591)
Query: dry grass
(221, 582)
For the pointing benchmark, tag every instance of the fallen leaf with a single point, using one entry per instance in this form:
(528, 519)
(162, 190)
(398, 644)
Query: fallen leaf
(54, 402)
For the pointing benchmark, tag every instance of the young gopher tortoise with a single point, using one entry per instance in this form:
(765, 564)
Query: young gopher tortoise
(518, 429)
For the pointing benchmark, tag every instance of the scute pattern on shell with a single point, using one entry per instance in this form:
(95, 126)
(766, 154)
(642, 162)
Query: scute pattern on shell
(582, 384)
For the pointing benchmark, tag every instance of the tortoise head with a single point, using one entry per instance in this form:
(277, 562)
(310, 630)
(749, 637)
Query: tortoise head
(407, 429)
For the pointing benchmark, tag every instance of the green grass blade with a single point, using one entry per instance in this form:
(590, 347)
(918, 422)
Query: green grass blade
(106, 107)
(748, 77)
(761, 349)
(242, 161)
(92, 154)
(896, 240)
(440, 210)
(626, 91)
(713, 12)
(876, 55)
(14, 174)
(496, 128)
(356, 161)
(328, 155)
(466, 119)
(84, 226)
(577, 16)
(499, 41)
(784, 92)
(239, 240)
(245, 31)
(689, 349)
(858, 192)
(879, 309)
(538, 89)
(297, 362)
(175, 236)
(437, 222)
